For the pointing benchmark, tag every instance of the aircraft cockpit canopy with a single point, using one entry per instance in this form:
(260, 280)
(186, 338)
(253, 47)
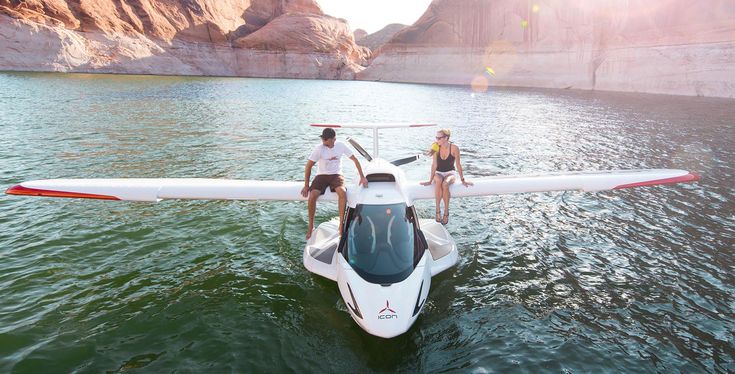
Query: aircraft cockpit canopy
(380, 244)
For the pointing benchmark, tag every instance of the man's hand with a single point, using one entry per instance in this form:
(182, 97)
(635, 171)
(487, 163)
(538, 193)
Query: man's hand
(305, 191)
(363, 180)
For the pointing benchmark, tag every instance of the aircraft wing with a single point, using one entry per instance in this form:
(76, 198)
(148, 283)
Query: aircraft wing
(574, 181)
(140, 189)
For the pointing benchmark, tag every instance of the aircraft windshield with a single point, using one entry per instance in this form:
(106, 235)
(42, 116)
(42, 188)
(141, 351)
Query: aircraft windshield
(380, 243)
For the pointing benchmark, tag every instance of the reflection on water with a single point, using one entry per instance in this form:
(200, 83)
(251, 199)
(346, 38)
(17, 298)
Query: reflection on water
(631, 280)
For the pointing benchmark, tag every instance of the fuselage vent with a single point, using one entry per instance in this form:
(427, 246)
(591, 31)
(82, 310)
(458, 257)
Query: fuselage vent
(381, 177)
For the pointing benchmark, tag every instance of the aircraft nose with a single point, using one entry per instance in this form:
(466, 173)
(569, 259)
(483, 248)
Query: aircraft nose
(392, 333)
(389, 319)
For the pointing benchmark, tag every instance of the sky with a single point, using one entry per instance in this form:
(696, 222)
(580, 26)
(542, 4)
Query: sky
(373, 15)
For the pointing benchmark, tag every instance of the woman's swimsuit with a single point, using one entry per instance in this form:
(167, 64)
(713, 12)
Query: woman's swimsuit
(445, 164)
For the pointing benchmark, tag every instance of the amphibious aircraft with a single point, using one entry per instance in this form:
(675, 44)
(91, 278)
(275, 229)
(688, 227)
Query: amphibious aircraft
(385, 256)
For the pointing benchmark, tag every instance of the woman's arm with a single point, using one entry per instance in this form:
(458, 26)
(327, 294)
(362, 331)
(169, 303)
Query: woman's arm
(458, 164)
(433, 170)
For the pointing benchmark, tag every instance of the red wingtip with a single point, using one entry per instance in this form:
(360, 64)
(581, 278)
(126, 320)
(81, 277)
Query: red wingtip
(691, 177)
(325, 125)
(13, 190)
(20, 190)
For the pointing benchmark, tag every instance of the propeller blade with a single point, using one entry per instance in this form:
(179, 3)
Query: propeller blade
(360, 149)
(403, 161)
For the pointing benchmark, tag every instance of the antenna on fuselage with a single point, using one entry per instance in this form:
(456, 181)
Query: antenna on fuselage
(375, 127)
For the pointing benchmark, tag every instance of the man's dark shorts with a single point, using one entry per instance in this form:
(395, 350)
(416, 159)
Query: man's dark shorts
(321, 182)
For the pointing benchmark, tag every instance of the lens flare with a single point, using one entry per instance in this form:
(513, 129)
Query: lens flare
(535, 8)
(479, 84)
(524, 23)
(499, 57)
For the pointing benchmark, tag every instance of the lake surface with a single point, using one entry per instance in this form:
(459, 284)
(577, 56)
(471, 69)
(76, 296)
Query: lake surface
(625, 281)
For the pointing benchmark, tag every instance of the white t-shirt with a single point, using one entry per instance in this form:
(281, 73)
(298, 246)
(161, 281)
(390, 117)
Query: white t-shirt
(329, 160)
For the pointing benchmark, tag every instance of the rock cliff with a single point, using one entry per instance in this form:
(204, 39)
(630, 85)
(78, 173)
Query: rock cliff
(664, 46)
(359, 34)
(265, 38)
(684, 47)
(376, 40)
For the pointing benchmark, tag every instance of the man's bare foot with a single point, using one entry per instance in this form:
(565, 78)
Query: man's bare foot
(308, 232)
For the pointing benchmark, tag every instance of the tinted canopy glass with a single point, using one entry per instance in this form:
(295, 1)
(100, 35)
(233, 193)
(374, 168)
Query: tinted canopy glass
(380, 243)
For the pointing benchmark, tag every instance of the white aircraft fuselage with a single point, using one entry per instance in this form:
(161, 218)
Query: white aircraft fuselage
(385, 257)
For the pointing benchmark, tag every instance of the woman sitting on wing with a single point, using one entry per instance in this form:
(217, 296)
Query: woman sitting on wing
(446, 156)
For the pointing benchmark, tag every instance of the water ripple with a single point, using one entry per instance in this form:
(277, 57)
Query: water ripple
(623, 281)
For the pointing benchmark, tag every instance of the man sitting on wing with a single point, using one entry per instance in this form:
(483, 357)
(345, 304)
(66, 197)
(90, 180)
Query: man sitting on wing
(328, 156)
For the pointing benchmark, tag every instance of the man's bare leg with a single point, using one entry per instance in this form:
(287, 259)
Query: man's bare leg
(342, 201)
(311, 207)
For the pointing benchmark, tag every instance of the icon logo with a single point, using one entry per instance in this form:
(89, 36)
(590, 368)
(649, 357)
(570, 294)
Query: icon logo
(387, 312)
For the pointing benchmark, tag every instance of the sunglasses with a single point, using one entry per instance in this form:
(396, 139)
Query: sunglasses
(440, 137)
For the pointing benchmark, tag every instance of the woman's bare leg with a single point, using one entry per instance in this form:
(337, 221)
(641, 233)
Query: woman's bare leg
(446, 195)
(438, 196)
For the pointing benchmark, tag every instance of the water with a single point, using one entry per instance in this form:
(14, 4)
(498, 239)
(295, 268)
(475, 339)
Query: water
(631, 280)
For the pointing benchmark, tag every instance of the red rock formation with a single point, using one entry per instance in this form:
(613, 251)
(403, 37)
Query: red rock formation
(662, 46)
(302, 33)
(52, 12)
(176, 37)
(154, 18)
(376, 40)
(359, 34)
(297, 26)
(263, 11)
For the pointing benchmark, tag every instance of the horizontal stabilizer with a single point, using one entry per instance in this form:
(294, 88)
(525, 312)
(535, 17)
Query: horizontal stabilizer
(140, 189)
(579, 181)
(367, 125)
(375, 127)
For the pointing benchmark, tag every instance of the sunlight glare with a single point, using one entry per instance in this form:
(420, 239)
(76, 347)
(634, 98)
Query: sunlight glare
(479, 84)
(501, 55)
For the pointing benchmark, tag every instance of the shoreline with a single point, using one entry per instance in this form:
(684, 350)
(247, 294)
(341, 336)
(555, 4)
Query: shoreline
(490, 87)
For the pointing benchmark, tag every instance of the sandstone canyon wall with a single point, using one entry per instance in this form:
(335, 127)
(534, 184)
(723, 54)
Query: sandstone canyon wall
(259, 38)
(376, 40)
(684, 47)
